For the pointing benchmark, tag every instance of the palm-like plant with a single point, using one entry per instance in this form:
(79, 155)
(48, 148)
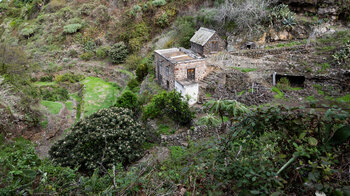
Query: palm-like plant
(218, 107)
(209, 120)
(235, 109)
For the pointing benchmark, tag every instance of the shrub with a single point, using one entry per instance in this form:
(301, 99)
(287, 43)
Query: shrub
(185, 28)
(133, 84)
(107, 137)
(141, 72)
(163, 20)
(102, 52)
(170, 104)
(342, 56)
(48, 78)
(158, 3)
(90, 46)
(27, 32)
(128, 100)
(69, 78)
(72, 28)
(54, 94)
(133, 61)
(86, 56)
(72, 53)
(101, 13)
(118, 53)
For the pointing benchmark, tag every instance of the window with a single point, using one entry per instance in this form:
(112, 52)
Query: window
(191, 74)
(160, 73)
(214, 46)
(167, 84)
(167, 71)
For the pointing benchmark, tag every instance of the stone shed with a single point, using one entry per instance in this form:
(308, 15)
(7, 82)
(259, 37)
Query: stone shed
(207, 41)
(180, 69)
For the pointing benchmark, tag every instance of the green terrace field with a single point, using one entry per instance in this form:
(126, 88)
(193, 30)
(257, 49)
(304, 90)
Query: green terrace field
(97, 94)
(52, 107)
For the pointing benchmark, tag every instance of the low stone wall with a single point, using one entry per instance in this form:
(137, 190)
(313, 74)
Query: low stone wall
(181, 139)
(257, 53)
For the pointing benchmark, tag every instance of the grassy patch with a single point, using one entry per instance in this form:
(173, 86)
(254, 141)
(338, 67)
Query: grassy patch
(165, 129)
(207, 95)
(310, 98)
(344, 99)
(45, 84)
(53, 107)
(244, 70)
(279, 95)
(126, 72)
(98, 94)
(44, 123)
(69, 105)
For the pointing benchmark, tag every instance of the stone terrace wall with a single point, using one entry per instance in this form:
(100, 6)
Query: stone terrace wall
(180, 139)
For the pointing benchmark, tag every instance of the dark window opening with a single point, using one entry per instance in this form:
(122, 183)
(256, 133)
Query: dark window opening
(167, 84)
(191, 74)
(214, 46)
(295, 81)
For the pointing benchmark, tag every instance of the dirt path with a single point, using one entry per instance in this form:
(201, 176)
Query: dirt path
(56, 126)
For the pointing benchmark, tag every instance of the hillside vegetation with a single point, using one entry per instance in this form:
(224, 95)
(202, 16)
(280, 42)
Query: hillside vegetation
(82, 112)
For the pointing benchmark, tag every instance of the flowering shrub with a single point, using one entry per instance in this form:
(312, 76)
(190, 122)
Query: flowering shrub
(107, 137)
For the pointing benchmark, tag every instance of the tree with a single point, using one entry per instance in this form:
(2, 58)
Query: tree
(105, 138)
(118, 52)
(128, 100)
(170, 104)
(218, 107)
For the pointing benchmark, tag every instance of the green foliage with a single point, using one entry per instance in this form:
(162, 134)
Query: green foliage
(170, 104)
(210, 120)
(133, 61)
(245, 70)
(185, 30)
(72, 53)
(48, 78)
(54, 94)
(52, 107)
(133, 84)
(163, 20)
(90, 46)
(128, 100)
(158, 3)
(86, 56)
(101, 14)
(141, 72)
(93, 99)
(107, 137)
(102, 52)
(282, 15)
(342, 56)
(279, 95)
(118, 53)
(28, 31)
(72, 28)
(69, 78)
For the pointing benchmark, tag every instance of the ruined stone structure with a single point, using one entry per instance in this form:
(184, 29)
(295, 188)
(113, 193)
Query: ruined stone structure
(206, 41)
(180, 69)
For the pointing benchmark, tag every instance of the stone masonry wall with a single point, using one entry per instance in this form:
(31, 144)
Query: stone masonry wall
(221, 44)
(164, 63)
(200, 69)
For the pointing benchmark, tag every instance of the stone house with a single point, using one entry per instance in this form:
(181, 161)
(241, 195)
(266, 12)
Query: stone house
(180, 69)
(207, 41)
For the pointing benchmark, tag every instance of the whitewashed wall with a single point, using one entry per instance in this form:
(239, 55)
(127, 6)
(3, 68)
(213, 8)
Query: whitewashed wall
(188, 90)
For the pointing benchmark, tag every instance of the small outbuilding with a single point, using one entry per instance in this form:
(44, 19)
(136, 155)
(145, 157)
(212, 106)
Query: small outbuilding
(206, 41)
(180, 69)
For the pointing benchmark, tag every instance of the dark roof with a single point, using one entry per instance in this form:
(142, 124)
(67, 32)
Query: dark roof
(202, 36)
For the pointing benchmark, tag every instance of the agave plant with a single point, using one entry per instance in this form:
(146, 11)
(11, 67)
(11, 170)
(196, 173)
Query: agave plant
(235, 109)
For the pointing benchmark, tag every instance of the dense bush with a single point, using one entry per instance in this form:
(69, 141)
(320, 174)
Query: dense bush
(107, 137)
(86, 56)
(101, 13)
(141, 72)
(118, 53)
(72, 28)
(69, 78)
(342, 56)
(128, 100)
(48, 78)
(170, 104)
(102, 52)
(159, 2)
(90, 46)
(54, 94)
(133, 84)
(185, 28)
